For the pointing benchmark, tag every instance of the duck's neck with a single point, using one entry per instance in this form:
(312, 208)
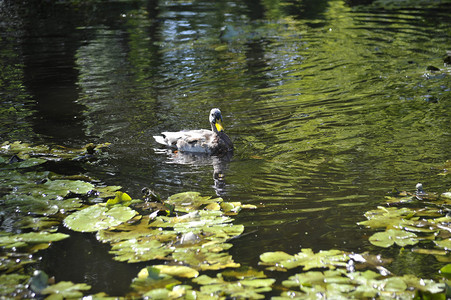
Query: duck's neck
(213, 128)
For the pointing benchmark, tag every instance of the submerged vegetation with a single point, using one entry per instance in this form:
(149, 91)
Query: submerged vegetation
(185, 239)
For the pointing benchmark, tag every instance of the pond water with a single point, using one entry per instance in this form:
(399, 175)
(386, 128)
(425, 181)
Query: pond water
(330, 106)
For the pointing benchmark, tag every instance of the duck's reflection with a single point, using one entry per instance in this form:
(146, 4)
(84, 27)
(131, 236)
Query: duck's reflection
(220, 164)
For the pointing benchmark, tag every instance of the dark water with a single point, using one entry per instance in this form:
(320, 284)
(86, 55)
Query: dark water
(330, 106)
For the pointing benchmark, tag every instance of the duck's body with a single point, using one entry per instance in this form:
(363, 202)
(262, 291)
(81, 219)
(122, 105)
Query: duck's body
(213, 142)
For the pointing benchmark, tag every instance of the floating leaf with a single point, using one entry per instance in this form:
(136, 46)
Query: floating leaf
(14, 261)
(341, 284)
(153, 281)
(243, 272)
(38, 223)
(387, 217)
(190, 201)
(247, 288)
(107, 191)
(138, 250)
(391, 236)
(307, 258)
(208, 257)
(25, 239)
(446, 244)
(446, 271)
(178, 271)
(66, 290)
(10, 283)
(120, 198)
(62, 188)
(96, 217)
(30, 162)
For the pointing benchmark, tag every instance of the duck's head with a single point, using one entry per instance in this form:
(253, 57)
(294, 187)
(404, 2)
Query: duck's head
(216, 120)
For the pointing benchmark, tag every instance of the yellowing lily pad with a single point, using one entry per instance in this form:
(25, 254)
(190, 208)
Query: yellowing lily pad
(96, 217)
(120, 198)
(178, 271)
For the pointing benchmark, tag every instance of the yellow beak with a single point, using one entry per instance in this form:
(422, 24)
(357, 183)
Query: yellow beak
(218, 125)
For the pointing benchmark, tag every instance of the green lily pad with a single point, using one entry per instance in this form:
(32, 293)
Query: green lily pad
(389, 237)
(388, 217)
(25, 239)
(107, 191)
(139, 250)
(10, 283)
(446, 244)
(446, 271)
(65, 290)
(37, 223)
(62, 188)
(57, 152)
(208, 257)
(424, 285)
(241, 289)
(28, 163)
(190, 201)
(307, 258)
(150, 279)
(342, 284)
(96, 217)
(14, 262)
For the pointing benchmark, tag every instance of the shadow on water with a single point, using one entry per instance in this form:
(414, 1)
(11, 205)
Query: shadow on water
(82, 258)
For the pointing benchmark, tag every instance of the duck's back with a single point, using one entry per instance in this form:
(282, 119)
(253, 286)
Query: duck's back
(197, 141)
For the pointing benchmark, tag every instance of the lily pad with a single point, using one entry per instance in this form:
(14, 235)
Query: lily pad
(446, 244)
(139, 250)
(177, 271)
(190, 201)
(10, 283)
(307, 258)
(65, 290)
(208, 257)
(13, 262)
(342, 284)
(54, 188)
(391, 236)
(26, 239)
(150, 279)
(388, 217)
(120, 198)
(96, 217)
(242, 289)
(446, 271)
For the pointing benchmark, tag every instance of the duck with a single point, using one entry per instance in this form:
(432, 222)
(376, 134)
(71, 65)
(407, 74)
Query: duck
(211, 142)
